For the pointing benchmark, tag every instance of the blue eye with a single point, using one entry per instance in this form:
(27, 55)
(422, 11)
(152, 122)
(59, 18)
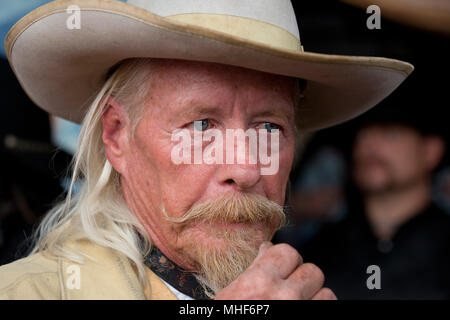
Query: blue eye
(269, 126)
(201, 125)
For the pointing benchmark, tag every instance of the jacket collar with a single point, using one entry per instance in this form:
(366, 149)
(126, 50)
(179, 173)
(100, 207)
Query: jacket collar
(182, 280)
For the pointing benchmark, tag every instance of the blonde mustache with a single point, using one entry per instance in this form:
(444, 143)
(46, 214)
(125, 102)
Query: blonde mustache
(232, 208)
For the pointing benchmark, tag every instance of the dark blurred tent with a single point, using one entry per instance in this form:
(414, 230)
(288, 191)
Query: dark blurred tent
(30, 167)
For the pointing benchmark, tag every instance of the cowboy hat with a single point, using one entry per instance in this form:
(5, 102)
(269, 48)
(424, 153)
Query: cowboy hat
(61, 65)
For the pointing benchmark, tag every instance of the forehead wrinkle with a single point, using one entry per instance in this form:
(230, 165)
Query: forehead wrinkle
(192, 109)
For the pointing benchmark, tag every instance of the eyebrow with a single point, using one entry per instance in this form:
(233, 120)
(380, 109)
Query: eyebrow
(194, 109)
(275, 112)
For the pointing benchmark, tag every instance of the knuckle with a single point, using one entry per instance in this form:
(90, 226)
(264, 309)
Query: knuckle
(313, 271)
(262, 279)
(264, 288)
(289, 251)
(287, 293)
(265, 283)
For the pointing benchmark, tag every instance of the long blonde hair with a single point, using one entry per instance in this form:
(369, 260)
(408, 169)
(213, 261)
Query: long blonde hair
(98, 211)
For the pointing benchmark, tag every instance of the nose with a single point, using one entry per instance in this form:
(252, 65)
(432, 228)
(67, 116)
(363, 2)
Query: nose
(241, 169)
(242, 177)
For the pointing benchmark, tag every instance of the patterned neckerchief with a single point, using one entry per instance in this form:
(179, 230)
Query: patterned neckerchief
(182, 280)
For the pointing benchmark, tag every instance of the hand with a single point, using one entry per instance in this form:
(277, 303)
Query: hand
(278, 273)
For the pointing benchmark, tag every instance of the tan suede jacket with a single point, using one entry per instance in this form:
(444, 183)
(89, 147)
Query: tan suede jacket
(110, 276)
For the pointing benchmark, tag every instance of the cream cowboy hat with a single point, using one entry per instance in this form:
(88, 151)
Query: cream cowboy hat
(61, 67)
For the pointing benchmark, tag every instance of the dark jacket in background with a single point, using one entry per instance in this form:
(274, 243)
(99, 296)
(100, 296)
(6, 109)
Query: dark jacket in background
(414, 265)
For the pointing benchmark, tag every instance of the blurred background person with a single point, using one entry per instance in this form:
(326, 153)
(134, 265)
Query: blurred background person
(392, 222)
(331, 198)
(317, 193)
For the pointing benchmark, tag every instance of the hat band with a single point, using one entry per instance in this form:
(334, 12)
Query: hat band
(246, 28)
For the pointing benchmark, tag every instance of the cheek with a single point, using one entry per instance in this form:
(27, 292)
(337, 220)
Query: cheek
(184, 186)
(275, 185)
(405, 158)
(143, 172)
(407, 167)
(177, 186)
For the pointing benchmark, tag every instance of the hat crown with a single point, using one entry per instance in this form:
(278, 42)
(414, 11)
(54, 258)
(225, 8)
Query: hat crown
(279, 13)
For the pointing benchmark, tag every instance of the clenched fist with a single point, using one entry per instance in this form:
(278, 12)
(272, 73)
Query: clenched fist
(278, 272)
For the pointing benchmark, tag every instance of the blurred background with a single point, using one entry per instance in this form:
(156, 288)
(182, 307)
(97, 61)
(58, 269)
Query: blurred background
(373, 191)
(35, 151)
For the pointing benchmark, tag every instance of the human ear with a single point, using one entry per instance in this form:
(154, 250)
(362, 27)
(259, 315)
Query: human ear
(115, 134)
(434, 148)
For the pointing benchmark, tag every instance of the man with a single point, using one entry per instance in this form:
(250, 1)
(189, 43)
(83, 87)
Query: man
(149, 223)
(401, 231)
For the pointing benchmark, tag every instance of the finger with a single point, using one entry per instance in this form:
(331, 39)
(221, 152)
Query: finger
(308, 279)
(279, 260)
(324, 294)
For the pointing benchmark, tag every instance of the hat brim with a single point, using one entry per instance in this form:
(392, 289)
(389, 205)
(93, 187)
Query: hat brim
(61, 69)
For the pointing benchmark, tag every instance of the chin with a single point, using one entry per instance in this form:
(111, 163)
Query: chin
(221, 254)
(221, 237)
(371, 184)
(374, 188)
